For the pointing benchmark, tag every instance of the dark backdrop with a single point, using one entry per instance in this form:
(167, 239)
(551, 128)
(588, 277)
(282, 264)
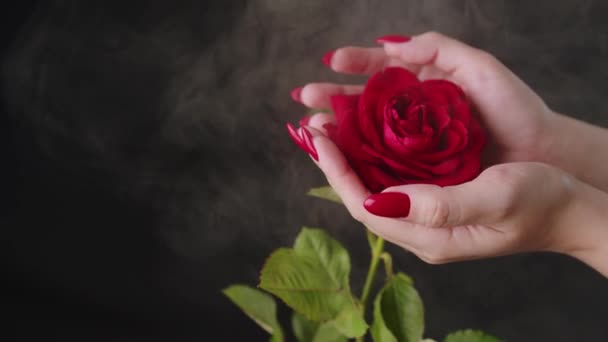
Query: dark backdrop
(145, 163)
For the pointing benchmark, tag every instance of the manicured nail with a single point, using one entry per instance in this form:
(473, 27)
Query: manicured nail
(304, 121)
(327, 58)
(296, 94)
(393, 38)
(293, 133)
(307, 137)
(388, 204)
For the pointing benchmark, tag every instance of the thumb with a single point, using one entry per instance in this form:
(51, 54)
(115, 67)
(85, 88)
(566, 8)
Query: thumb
(434, 206)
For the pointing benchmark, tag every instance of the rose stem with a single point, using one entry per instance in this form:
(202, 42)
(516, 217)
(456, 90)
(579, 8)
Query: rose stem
(377, 250)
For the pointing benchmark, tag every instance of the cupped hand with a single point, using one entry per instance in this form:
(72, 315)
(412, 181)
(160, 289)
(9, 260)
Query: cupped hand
(516, 118)
(517, 205)
(509, 208)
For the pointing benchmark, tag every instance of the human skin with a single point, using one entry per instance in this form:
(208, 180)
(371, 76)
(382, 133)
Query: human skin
(532, 197)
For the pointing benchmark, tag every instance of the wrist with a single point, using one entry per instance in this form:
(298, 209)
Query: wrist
(582, 231)
(556, 142)
(573, 145)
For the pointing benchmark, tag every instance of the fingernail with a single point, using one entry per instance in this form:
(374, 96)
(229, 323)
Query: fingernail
(327, 58)
(296, 94)
(307, 136)
(388, 204)
(304, 121)
(393, 38)
(293, 133)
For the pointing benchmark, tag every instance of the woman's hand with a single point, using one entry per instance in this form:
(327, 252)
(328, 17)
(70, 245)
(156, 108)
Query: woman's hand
(515, 117)
(522, 127)
(520, 205)
(509, 208)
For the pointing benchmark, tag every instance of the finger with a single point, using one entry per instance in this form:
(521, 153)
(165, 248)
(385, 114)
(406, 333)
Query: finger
(320, 121)
(474, 202)
(340, 175)
(364, 61)
(359, 60)
(318, 95)
(446, 224)
(484, 200)
(449, 55)
(443, 245)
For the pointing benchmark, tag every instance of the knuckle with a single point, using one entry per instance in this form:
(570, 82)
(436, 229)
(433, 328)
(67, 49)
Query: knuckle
(485, 58)
(508, 183)
(488, 67)
(438, 214)
(502, 174)
(432, 36)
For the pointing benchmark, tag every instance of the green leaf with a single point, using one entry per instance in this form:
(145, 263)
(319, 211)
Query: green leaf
(470, 336)
(325, 192)
(313, 279)
(309, 331)
(259, 306)
(303, 328)
(350, 322)
(379, 331)
(330, 254)
(398, 312)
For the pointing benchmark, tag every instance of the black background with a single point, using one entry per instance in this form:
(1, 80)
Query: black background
(145, 165)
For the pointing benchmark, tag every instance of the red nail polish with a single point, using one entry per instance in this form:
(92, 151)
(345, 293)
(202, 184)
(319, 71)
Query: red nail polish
(307, 137)
(327, 58)
(304, 121)
(293, 133)
(393, 38)
(388, 204)
(296, 94)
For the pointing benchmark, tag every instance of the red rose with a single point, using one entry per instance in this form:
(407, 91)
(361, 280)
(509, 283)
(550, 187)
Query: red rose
(402, 131)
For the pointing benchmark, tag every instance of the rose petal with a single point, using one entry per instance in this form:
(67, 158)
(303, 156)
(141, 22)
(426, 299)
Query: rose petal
(373, 121)
(376, 177)
(454, 139)
(442, 92)
(347, 135)
(461, 112)
(345, 106)
(449, 95)
(447, 166)
(437, 116)
(388, 81)
(477, 137)
(379, 90)
(468, 170)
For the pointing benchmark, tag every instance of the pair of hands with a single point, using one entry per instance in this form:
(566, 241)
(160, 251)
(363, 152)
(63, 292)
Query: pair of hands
(524, 202)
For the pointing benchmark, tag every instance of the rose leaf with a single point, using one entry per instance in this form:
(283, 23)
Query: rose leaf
(259, 306)
(325, 192)
(312, 278)
(398, 312)
(470, 336)
(310, 331)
